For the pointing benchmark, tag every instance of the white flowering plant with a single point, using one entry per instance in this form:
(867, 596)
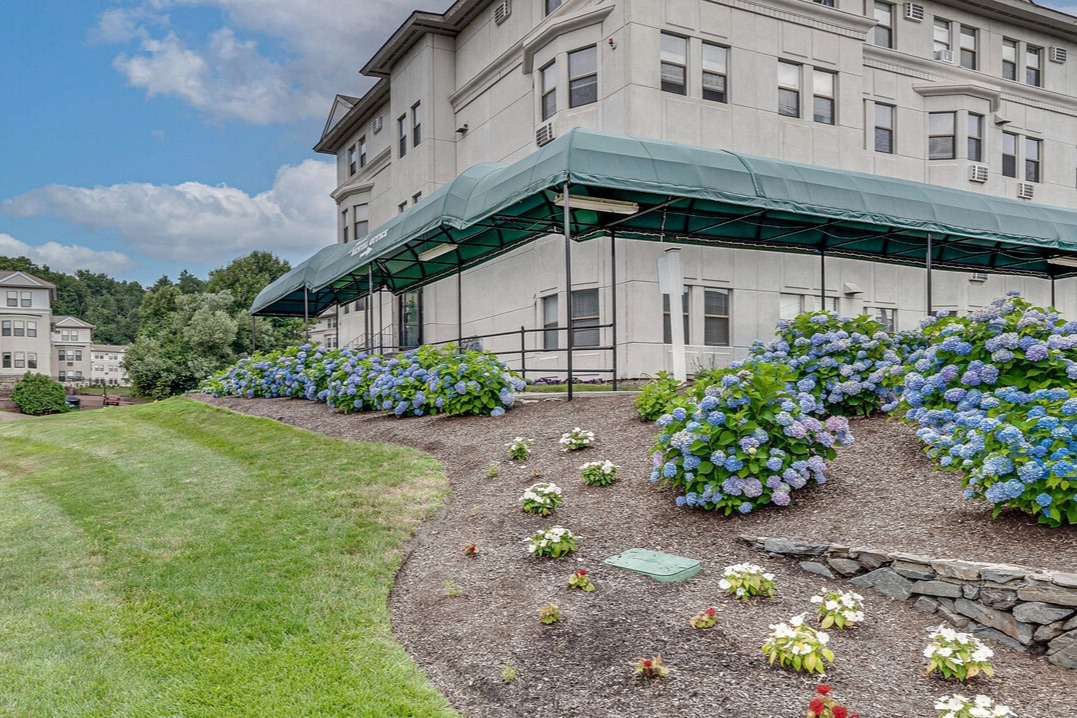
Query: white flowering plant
(745, 580)
(542, 499)
(577, 439)
(520, 448)
(553, 542)
(599, 473)
(959, 706)
(957, 655)
(798, 646)
(839, 608)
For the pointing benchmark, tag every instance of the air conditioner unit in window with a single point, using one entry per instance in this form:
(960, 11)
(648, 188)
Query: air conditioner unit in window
(544, 134)
(1058, 54)
(375, 126)
(1025, 190)
(978, 173)
(914, 11)
(945, 56)
(502, 10)
(978, 277)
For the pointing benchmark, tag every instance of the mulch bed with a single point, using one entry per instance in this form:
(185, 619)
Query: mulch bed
(882, 492)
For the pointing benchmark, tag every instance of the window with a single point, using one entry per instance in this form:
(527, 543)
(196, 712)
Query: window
(360, 304)
(13, 299)
(78, 355)
(362, 151)
(584, 318)
(828, 3)
(402, 135)
(552, 5)
(347, 308)
(20, 360)
(26, 298)
(61, 355)
(941, 36)
(7, 361)
(549, 322)
(361, 217)
(344, 221)
(416, 124)
(788, 89)
(969, 45)
(31, 360)
(1009, 59)
(1033, 59)
(410, 310)
(884, 316)
(715, 72)
(20, 328)
(975, 137)
(716, 318)
(884, 128)
(667, 328)
(62, 376)
(5, 328)
(941, 128)
(353, 165)
(548, 78)
(823, 109)
(1009, 154)
(790, 306)
(674, 65)
(583, 77)
(884, 31)
(1032, 166)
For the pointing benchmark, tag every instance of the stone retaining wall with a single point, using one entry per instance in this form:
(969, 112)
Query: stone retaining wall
(1024, 608)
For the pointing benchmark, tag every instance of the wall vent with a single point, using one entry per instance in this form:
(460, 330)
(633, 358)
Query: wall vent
(544, 134)
(376, 125)
(945, 56)
(502, 11)
(1025, 190)
(978, 173)
(914, 11)
(1058, 54)
(978, 277)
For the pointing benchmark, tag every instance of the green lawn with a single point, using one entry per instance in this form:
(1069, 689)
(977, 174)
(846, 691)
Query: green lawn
(173, 559)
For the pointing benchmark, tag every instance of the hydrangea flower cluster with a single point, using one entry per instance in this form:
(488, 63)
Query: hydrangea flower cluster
(520, 448)
(843, 364)
(959, 706)
(839, 608)
(576, 439)
(599, 473)
(798, 646)
(745, 580)
(542, 499)
(992, 396)
(957, 655)
(428, 380)
(745, 444)
(554, 542)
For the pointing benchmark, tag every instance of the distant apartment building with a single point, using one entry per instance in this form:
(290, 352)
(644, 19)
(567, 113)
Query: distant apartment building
(107, 365)
(976, 96)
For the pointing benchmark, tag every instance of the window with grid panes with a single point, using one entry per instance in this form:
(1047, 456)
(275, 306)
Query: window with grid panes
(583, 77)
(1033, 154)
(584, 321)
(31, 329)
(5, 328)
(31, 360)
(20, 328)
(941, 35)
(788, 89)
(667, 327)
(975, 137)
(715, 72)
(26, 298)
(823, 98)
(884, 128)
(1009, 154)
(13, 299)
(1033, 65)
(674, 64)
(20, 360)
(7, 361)
(549, 322)
(548, 78)
(941, 138)
(969, 44)
(360, 220)
(883, 32)
(716, 318)
(1009, 59)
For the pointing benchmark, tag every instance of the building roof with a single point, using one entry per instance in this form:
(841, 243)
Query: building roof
(10, 278)
(107, 348)
(67, 321)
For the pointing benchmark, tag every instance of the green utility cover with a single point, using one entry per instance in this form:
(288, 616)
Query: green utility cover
(659, 566)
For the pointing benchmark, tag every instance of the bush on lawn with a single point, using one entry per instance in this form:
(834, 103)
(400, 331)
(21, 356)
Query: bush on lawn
(746, 443)
(993, 396)
(37, 394)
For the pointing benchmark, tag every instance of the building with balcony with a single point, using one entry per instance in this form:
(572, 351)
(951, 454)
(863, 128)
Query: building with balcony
(979, 97)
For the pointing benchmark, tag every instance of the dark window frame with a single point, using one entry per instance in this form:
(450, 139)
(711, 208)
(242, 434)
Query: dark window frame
(883, 34)
(828, 103)
(933, 137)
(672, 65)
(548, 90)
(713, 78)
(888, 131)
(584, 327)
(582, 82)
(790, 107)
(974, 140)
(725, 320)
(667, 322)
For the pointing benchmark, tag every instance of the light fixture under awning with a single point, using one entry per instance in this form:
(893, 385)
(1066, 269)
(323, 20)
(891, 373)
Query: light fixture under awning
(598, 204)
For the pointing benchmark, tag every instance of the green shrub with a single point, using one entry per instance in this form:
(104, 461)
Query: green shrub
(657, 397)
(37, 394)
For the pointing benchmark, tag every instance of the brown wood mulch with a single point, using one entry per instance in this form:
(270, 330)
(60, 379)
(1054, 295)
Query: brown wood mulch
(466, 620)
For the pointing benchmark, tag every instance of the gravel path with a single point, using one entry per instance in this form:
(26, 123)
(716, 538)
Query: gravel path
(464, 619)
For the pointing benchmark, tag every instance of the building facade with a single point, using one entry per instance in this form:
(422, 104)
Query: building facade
(976, 97)
(71, 349)
(25, 317)
(106, 366)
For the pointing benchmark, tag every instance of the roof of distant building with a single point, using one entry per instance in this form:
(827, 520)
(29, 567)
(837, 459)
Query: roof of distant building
(37, 282)
(108, 348)
(71, 321)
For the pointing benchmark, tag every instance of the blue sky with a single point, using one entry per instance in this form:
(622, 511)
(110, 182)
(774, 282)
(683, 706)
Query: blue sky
(142, 137)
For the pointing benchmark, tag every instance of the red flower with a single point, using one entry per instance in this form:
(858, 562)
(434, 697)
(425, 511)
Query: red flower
(816, 706)
(840, 712)
(581, 572)
(822, 690)
(647, 663)
(710, 612)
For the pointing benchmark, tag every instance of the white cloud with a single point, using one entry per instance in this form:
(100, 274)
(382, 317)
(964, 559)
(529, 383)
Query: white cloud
(66, 257)
(195, 222)
(322, 45)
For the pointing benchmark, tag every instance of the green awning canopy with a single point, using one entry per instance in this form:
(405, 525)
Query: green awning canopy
(684, 194)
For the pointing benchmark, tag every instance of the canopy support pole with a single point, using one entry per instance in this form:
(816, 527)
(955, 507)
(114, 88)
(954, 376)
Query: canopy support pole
(1052, 291)
(928, 265)
(306, 313)
(822, 280)
(613, 302)
(568, 284)
(254, 333)
(381, 324)
(459, 306)
(368, 319)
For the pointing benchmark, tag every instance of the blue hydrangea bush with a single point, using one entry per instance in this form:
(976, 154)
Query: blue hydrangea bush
(745, 443)
(428, 380)
(842, 362)
(993, 396)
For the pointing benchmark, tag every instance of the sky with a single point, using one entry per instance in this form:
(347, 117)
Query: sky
(142, 137)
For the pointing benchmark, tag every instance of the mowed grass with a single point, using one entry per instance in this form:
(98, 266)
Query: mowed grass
(177, 560)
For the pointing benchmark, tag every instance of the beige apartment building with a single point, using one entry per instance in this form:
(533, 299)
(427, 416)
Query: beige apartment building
(975, 96)
(107, 365)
